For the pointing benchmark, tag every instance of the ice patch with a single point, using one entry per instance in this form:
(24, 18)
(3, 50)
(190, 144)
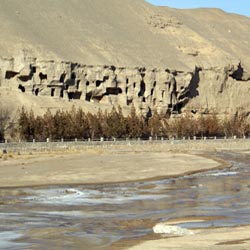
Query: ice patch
(163, 228)
(73, 196)
(222, 174)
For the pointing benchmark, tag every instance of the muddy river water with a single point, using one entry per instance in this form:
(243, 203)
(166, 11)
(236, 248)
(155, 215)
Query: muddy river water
(96, 216)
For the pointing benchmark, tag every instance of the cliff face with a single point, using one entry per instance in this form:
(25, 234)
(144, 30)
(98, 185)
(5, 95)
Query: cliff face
(164, 59)
(223, 90)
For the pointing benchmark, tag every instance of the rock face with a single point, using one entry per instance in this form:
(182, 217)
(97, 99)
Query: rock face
(148, 89)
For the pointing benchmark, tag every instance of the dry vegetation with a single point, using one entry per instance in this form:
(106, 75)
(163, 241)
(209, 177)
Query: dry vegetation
(4, 117)
(78, 124)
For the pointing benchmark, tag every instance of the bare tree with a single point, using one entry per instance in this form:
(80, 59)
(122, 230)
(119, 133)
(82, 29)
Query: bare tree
(4, 117)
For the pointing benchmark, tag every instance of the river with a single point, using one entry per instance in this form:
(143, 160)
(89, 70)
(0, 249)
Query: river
(94, 217)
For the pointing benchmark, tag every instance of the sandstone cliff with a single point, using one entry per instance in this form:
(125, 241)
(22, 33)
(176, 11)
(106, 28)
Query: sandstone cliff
(164, 59)
(203, 90)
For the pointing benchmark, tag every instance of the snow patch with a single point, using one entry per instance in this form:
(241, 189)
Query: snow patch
(163, 228)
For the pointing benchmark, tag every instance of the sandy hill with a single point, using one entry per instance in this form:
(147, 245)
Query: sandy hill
(122, 32)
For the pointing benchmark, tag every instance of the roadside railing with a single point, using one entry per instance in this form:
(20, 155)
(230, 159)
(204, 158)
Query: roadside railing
(33, 145)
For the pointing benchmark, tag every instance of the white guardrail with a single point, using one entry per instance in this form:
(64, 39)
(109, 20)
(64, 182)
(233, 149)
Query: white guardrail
(7, 146)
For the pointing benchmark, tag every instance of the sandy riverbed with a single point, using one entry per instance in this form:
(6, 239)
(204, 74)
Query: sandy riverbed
(119, 163)
(104, 165)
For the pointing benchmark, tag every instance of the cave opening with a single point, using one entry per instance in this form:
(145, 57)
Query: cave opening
(25, 78)
(88, 97)
(142, 89)
(70, 95)
(33, 69)
(97, 98)
(238, 74)
(113, 68)
(36, 92)
(74, 95)
(105, 78)
(43, 76)
(113, 91)
(21, 87)
(176, 108)
(52, 93)
(73, 76)
(61, 93)
(98, 83)
(10, 74)
(62, 78)
(78, 83)
(129, 102)
(143, 75)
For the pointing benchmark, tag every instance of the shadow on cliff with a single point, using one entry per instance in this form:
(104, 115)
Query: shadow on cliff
(194, 84)
(192, 90)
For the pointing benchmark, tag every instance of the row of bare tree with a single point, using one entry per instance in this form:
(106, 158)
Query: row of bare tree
(4, 118)
(78, 124)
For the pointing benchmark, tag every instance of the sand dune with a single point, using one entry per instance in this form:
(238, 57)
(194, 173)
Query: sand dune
(122, 32)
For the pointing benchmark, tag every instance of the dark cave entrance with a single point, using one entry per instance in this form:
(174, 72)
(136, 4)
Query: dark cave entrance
(21, 87)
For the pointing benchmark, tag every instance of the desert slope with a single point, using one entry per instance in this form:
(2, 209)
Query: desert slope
(122, 33)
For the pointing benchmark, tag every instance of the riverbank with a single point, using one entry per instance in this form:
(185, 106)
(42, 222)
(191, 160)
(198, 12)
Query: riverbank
(107, 163)
(99, 166)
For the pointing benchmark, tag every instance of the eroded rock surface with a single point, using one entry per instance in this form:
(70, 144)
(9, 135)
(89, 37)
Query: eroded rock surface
(224, 90)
